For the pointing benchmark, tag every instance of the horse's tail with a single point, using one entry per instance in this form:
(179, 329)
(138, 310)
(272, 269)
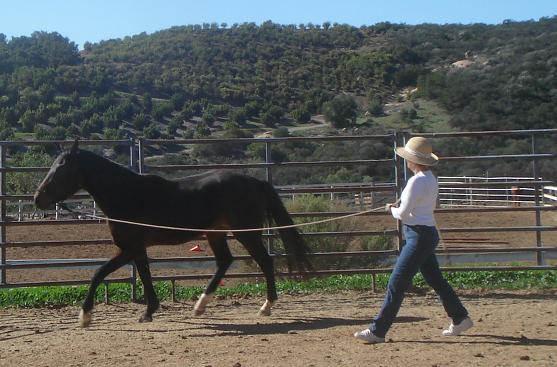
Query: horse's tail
(294, 244)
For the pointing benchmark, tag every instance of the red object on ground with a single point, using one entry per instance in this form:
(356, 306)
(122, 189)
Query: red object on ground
(196, 248)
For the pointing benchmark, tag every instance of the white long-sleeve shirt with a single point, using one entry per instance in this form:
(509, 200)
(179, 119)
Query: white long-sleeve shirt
(418, 200)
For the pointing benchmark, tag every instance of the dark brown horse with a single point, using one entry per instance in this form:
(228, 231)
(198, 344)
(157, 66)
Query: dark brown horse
(215, 200)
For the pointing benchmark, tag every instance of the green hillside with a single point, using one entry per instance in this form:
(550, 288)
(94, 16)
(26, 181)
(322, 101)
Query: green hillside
(242, 80)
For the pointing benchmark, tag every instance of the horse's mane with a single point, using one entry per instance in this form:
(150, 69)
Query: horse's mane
(94, 160)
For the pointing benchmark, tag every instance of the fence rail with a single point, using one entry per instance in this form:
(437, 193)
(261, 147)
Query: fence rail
(457, 195)
(465, 191)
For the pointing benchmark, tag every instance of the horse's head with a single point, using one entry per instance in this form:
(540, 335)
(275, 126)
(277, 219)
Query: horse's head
(61, 180)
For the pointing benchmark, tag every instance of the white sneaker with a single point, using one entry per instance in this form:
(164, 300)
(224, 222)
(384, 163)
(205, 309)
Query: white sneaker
(367, 336)
(458, 329)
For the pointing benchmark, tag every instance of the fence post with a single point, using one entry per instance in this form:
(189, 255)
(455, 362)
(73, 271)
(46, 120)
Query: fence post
(539, 254)
(398, 185)
(140, 158)
(269, 173)
(268, 160)
(133, 275)
(106, 294)
(173, 283)
(2, 214)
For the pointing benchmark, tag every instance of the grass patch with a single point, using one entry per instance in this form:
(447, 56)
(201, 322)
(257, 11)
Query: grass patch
(431, 117)
(72, 295)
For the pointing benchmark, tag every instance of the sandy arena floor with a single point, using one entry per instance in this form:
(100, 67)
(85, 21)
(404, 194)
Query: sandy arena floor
(511, 329)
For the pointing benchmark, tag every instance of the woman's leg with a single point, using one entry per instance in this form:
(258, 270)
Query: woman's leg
(420, 244)
(433, 276)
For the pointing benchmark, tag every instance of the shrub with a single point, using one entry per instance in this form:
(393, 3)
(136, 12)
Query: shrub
(324, 244)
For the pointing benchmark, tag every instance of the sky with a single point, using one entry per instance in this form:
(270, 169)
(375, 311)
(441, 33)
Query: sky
(96, 20)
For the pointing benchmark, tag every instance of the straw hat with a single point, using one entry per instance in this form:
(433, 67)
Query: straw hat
(418, 150)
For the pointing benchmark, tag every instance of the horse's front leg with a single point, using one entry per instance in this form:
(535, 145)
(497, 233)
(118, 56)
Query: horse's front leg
(150, 295)
(111, 265)
(223, 258)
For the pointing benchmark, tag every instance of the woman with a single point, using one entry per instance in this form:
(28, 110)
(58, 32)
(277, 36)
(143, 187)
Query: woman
(417, 202)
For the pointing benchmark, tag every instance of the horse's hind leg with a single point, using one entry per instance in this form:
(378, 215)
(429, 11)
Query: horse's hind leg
(254, 245)
(111, 265)
(150, 295)
(223, 258)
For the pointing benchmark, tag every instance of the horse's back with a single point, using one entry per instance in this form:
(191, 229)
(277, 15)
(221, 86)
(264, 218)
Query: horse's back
(238, 198)
(220, 180)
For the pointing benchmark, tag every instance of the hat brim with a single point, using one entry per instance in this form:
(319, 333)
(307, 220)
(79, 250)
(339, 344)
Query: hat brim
(432, 160)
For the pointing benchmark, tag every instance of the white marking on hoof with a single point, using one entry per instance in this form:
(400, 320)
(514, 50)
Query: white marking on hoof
(203, 300)
(84, 318)
(265, 310)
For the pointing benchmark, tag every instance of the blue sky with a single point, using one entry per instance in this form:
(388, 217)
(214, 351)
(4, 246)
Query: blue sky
(95, 20)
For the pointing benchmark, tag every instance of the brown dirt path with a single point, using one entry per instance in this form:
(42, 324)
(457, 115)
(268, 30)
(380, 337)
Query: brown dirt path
(512, 329)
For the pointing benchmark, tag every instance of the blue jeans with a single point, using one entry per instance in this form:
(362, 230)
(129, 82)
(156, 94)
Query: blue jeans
(417, 254)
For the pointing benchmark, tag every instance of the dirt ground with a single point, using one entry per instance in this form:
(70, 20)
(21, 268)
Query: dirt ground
(511, 329)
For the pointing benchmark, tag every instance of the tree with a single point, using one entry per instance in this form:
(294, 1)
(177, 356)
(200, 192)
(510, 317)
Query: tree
(25, 182)
(375, 107)
(177, 101)
(111, 118)
(9, 115)
(147, 102)
(201, 131)
(341, 111)
(252, 108)
(161, 110)
(208, 118)
(6, 132)
(152, 131)
(28, 121)
(272, 116)
(113, 134)
(238, 116)
(172, 128)
(301, 114)
(140, 121)
(76, 100)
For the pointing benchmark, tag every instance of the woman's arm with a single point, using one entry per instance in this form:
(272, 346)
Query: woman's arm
(409, 200)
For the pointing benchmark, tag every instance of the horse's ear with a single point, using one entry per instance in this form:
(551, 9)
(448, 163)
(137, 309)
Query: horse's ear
(75, 147)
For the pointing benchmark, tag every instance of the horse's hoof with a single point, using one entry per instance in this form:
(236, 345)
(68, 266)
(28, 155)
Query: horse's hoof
(84, 318)
(199, 308)
(146, 318)
(265, 310)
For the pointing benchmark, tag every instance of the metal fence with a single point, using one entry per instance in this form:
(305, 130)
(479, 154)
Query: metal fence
(358, 192)
(515, 195)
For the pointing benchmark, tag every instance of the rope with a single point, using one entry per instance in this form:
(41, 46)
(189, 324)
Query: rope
(63, 206)
(223, 230)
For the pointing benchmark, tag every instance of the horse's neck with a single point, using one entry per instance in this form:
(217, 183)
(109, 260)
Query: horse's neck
(105, 180)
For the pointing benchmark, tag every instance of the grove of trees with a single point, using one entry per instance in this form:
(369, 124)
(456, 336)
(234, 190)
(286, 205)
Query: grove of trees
(197, 80)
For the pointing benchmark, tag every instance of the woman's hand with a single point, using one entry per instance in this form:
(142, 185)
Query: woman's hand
(389, 206)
